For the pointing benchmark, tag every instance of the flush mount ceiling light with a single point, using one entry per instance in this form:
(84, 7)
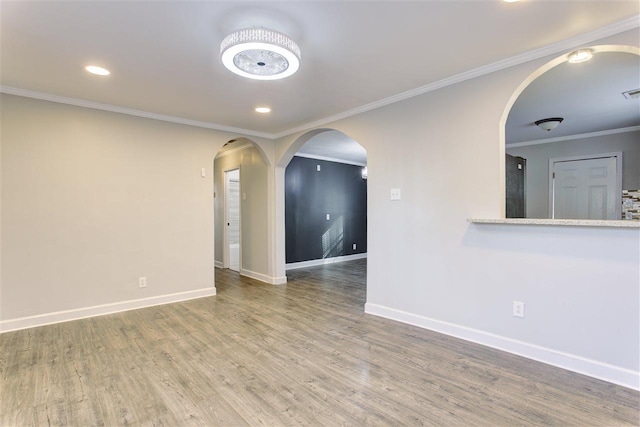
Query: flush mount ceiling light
(261, 54)
(549, 124)
(632, 94)
(581, 55)
(263, 110)
(97, 70)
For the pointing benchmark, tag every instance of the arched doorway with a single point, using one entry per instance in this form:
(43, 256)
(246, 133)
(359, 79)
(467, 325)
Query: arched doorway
(241, 203)
(574, 171)
(325, 200)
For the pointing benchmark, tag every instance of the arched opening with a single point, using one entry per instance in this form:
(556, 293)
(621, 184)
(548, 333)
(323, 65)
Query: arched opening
(241, 203)
(587, 167)
(325, 202)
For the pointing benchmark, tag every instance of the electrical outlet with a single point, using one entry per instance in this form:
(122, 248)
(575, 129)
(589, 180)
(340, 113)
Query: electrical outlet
(354, 246)
(328, 217)
(518, 309)
(395, 194)
(142, 282)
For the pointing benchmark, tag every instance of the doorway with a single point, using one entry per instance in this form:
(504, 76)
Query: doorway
(232, 219)
(586, 187)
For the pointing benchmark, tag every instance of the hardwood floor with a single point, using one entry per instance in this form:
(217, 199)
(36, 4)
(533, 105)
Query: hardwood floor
(299, 354)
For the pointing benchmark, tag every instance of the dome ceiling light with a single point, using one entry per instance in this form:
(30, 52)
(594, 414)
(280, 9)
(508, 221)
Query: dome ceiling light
(261, 54)
(549, 124)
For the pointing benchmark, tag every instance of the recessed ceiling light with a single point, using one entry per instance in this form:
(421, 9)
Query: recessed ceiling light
(97, 70)
(580, 56)
(261, 54)
(510, 1)
(263, 110)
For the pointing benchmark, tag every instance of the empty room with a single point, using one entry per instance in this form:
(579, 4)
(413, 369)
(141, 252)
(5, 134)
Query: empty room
(320, 213)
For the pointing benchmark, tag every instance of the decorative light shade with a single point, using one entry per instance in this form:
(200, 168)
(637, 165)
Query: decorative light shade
(580, 56)
(258, 53)
(549, 124)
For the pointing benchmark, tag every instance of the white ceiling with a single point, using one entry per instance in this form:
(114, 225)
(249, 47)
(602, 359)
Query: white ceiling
(587, 95)
(334, 146)
(164, 56)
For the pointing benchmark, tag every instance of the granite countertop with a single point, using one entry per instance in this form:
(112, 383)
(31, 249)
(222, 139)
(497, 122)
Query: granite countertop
(558, 222)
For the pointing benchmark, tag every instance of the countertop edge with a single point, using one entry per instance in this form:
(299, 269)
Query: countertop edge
(558, 222)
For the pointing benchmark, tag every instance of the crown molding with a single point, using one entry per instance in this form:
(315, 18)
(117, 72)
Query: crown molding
(571, 137)
(128, 111)
(554, 48)
(329, 159)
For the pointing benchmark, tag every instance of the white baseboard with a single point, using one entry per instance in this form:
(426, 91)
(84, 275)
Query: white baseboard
(323, 261)
(218, 264)
(99, 310)
(263, 277)
(593, 368)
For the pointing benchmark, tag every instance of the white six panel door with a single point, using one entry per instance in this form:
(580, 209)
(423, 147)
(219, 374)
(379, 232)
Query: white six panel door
(585, 189)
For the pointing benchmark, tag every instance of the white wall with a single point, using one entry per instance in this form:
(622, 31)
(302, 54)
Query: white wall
(93, 200)
(254, 228)
(537, 191)
(429, 266)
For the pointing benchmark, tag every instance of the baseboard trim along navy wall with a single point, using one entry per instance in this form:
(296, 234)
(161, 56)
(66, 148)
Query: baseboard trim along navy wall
(263, 277)
(99, 310)
(593, 368)
(323, 261)
(218, 264)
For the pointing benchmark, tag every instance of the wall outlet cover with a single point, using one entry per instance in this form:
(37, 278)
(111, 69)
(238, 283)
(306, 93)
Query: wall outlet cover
(518, 309)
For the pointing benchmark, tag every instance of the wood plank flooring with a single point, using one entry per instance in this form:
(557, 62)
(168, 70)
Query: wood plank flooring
(299, 354)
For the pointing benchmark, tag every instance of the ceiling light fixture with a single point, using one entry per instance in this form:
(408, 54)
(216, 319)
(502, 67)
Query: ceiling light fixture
(549, 124)
(581, 55)
(261, 54)
(97, 70)
(263, 110)
(632, 94)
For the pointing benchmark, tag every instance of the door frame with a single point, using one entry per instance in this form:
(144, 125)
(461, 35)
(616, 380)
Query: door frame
(225, 203)
(617, 155)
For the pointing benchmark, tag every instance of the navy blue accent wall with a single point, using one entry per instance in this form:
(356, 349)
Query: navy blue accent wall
(338, 190)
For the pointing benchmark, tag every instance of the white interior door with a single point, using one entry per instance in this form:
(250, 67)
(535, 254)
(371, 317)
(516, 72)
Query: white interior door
(232, 213)
(586, 189)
